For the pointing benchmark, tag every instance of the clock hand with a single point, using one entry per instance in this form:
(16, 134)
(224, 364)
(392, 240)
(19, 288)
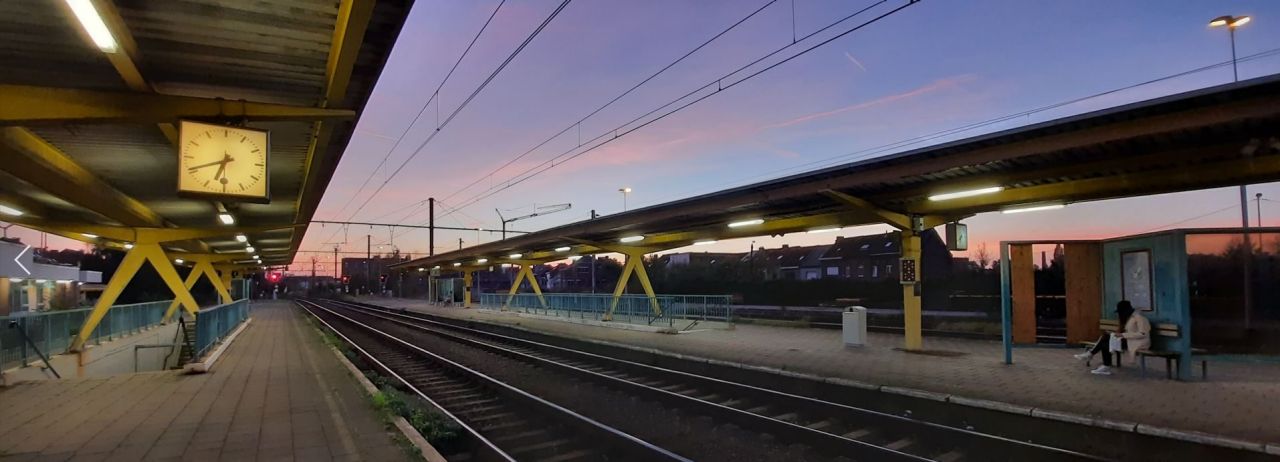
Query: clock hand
(210, 164)
(221, 170)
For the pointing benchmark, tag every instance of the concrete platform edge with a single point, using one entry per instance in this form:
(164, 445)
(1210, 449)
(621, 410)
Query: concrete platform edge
(207, 364)
(425, 449)
(1064, 416)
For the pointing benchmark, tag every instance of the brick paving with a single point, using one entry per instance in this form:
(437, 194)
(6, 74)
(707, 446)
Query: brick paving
(1239, 400)
(277, 394)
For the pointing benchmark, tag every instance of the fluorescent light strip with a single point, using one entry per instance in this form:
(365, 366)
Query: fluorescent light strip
(90, 236)
(242, 238)
(631, 239)
(457, 264)
(708, 242)
(563, 249)
(1034, 208)
(969, 193)
(226, 218)
(7, 210)
(739, 224)
(92, 23)
(482, 261)
(515, 255)
(823, 230)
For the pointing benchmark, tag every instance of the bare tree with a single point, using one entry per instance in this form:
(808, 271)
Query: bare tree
(983, 256)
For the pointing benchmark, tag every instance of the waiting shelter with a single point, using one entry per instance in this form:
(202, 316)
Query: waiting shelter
(1204, 290)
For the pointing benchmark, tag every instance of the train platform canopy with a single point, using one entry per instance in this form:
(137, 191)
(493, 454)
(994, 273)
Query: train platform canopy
(93, 92)
(1213, 137)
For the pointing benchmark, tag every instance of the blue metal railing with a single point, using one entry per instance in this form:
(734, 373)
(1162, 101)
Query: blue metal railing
(52, 331)
(215, 323)
(677, 311)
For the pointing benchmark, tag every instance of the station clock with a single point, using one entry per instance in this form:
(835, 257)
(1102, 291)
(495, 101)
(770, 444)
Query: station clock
(223, 162)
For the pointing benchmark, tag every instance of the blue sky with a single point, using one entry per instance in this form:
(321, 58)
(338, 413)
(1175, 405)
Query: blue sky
(932, 66)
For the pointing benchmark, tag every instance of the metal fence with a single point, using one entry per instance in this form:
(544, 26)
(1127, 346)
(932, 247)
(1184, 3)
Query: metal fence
(215, 323)
(52, 331)
(678, 311)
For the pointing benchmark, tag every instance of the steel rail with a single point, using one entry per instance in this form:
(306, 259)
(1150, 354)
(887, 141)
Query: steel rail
(613, 437)
(990, 445)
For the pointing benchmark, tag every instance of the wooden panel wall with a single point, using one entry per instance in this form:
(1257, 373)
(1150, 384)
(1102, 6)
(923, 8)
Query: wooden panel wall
(1023, 279)
(1084, 291)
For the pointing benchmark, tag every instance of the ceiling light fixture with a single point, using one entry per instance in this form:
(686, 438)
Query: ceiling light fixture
(706, 242)
(824, 230)
(1033, 208)
(93, 24)
(968, 193)
(752, 222)
(242, 238)
(7, 210)
(631, 239)
(563, 249)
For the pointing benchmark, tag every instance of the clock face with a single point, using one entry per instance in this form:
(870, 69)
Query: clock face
(220, 160)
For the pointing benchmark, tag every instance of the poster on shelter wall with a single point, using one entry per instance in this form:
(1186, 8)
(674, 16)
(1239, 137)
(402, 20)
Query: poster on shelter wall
(1135, 282)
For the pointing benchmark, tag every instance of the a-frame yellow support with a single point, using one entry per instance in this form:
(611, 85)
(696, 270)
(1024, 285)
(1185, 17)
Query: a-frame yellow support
(635, 264)
(526, 273)
(203, 267)
(141, 252)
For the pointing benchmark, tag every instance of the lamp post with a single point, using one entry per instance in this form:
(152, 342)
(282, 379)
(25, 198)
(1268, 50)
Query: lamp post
(624, 192)
(1231, 23)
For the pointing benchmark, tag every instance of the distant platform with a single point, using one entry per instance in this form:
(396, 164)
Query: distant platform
(278, 393)
(1237, 402)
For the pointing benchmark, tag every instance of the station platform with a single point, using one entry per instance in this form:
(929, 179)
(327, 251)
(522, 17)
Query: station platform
(278, 393)
(1237, 403)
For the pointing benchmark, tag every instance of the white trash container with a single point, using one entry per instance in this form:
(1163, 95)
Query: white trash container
(854, 320)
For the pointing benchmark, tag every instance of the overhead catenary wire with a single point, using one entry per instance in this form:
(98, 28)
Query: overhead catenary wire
(718, 84)
(865, 153)
(435, 96)
(464, 104)
(578, 123)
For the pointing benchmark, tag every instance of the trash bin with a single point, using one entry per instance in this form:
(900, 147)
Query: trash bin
(854, 320)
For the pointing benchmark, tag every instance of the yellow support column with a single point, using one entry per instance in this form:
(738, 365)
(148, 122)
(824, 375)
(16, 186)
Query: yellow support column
(119, 280)
(533, 282)
(911, 295)
(124, 273)
(627, 268)
(202, 267)
(634, 265)
(515, 287)
(466, 289)
(192, 278)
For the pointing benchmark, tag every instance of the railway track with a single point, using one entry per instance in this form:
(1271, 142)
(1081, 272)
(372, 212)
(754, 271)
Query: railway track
(498, 422)
(832, 428)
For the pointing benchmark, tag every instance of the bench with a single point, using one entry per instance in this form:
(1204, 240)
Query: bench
(1173, 358)
(1159, 332)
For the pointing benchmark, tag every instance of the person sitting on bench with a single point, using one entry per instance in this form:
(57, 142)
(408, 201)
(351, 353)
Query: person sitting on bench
(1133, 337)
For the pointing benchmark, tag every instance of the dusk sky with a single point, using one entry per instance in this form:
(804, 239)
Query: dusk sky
(933, 66)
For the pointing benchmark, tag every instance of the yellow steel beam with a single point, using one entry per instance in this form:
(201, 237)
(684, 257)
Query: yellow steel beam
(344, 50)
(35, 161)
(29, 105)
(911, 310)
(634, 265)
(526, 273)
(891, 218)
(203, 267)
(466, 289)
(126, 59)
(151, 253)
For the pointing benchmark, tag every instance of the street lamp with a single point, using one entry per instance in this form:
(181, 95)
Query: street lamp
(1231, 22)
(624, 192)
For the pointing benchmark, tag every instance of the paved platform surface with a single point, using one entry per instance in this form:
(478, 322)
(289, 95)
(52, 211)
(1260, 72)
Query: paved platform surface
(1239, 400)
(277, 394)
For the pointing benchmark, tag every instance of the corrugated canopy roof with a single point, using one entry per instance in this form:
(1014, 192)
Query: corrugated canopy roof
(89, 135)
(1214, 137)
